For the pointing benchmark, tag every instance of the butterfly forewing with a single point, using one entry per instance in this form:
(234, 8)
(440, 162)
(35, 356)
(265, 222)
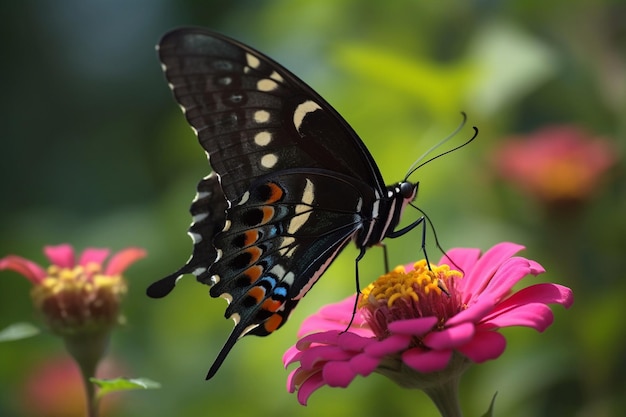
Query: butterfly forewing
(253, 116)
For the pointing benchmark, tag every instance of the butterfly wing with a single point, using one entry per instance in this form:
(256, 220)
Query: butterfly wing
(208, 211)
(297, 179)
(253, 116)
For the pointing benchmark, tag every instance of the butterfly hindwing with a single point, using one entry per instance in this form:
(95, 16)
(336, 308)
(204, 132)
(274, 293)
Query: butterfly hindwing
(208, 211)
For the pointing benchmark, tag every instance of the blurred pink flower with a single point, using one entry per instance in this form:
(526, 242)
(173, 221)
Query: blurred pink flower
(77, 297)
(422, 327)
(80, 301)
(54, 388)
(556, 164)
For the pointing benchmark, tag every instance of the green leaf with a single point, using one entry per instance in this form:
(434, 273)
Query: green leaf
(123, 384)
(18, 331)
(489, 412)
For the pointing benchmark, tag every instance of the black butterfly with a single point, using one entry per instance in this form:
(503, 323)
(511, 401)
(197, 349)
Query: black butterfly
(292, 185)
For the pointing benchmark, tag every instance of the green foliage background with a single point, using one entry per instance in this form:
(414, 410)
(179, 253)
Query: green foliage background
(96, 153)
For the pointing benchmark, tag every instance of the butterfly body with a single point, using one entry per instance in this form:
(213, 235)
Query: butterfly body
(292, 185)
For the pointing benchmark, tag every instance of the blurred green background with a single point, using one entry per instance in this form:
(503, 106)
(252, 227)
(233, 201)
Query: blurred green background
(96, 153)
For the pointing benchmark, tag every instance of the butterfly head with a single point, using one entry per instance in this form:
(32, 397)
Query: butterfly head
(408, 190)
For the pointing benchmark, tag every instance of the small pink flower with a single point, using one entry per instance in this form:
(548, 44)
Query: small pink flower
(556, 164)
(421, 326)
(77, 296)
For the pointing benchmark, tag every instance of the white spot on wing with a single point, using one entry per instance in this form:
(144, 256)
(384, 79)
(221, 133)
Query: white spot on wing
(269, 160)
(276, 76)
(266, 85)
(263, 138)
(286, 245)
(199, 271)
(261, 116)
(253, 62)
(244, 198)
(303, 211)
(247, 330)
(195, 237)
(289, 278)
(278, 270)
(302, 110)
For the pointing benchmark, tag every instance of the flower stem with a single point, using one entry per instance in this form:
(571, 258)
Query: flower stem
(87, 352)
(446, 398)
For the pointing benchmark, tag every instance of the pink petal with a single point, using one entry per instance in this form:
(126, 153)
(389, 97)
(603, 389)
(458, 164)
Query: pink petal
(537, 316)
(340, 311)
(427, 360)
(338, 374)
(123, 259)
(484, 346)
(509, 274)
(393, 344)
(61, 255)
(93, 256)
(450, 338)
(327, 338)
(291, 356)
(309, 386)
(478, 277)
(33, 272)
(364, 364)
(351, 342)
(414, 327)
(299, 376)
(316, 323)
(544, 293)
(461, 258)
(313, 356)
(474, 313)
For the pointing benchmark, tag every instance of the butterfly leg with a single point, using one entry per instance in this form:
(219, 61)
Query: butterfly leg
(358, 287)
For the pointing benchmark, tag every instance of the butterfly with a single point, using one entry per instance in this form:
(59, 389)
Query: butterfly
(292, 183)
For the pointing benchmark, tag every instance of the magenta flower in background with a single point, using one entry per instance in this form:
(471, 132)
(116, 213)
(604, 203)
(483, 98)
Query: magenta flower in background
(556, 164)
(422, 327)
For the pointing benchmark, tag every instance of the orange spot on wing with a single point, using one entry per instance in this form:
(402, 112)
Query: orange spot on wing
(250, 236)
(253, 273)
(273, 323)
(258, 293)
(255, 253)
(268, 214)
(271, 305)
(276, 193)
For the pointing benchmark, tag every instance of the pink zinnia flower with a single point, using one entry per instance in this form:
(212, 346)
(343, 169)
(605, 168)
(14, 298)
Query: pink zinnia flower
(556, 164)
(80, 300)
(77, 296)
(423, 326)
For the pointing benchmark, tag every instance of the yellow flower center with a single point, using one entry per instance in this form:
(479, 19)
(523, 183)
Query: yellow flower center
(79, 299)
(417, 283)
(400, 295)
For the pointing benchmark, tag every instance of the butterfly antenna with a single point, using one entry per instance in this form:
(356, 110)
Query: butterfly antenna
(420, 161)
